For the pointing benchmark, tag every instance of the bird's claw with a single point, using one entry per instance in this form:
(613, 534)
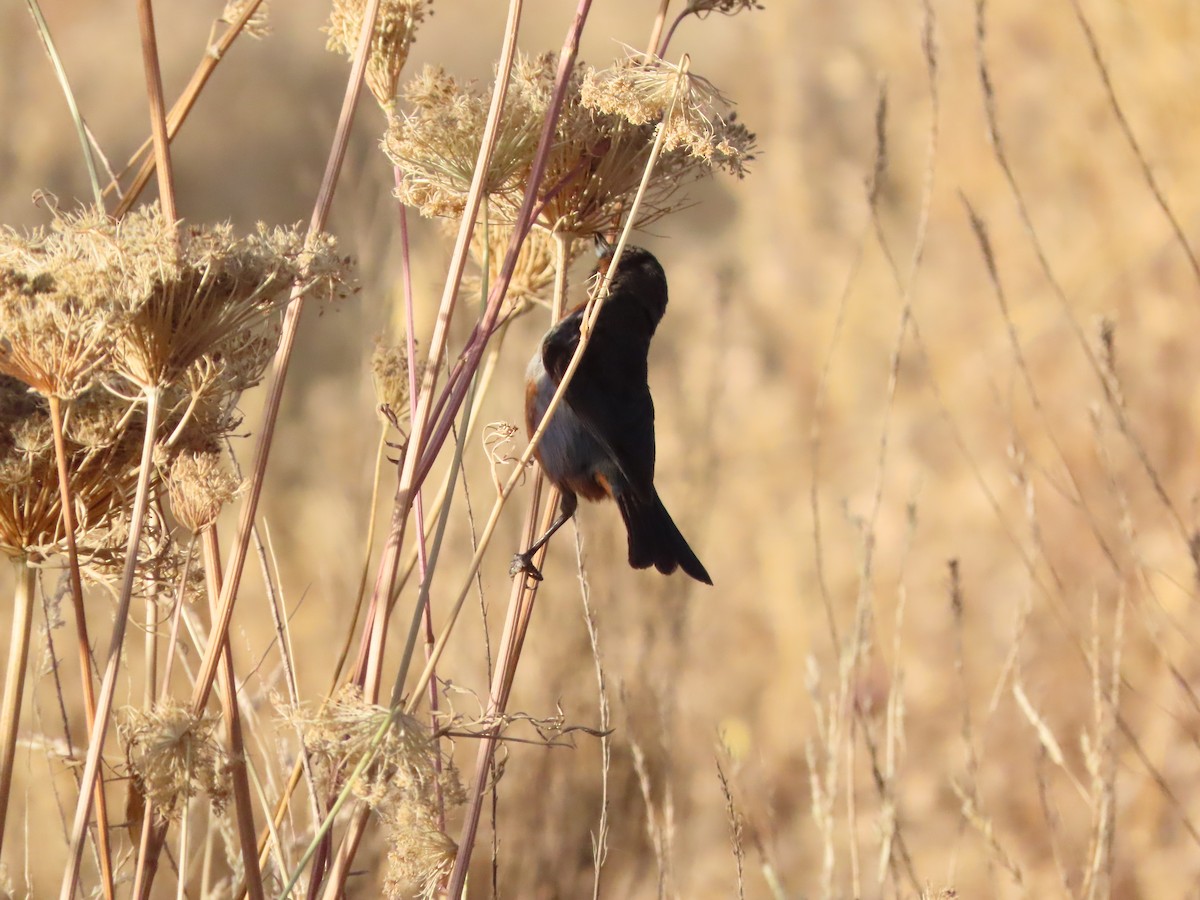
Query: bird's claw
(523, 562)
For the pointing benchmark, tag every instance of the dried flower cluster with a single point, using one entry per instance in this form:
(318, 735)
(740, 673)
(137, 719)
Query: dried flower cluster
(533, 278)
(696, 116)
(603, 141)
(436, 145)
(389, 373)
(174, 756)
(257, 26)
(96, 313)
(402, 783)
(101, 459)
(199, 486)
(394, 29)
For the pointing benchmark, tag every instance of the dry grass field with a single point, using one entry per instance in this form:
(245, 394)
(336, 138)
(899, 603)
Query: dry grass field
(928, 409)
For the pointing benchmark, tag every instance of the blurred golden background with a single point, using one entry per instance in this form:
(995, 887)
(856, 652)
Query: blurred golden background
(992, 483)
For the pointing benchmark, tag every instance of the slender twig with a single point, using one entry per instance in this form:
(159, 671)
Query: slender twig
(60, 73)
(408, 481)
(660, 19)
(179, 111)
(243, 807)
(14, 682)
(1131, 139)
(83, 642)
(158, 120)
(108, 685)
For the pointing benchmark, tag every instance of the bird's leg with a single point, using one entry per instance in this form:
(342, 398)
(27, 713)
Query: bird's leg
(523, 562)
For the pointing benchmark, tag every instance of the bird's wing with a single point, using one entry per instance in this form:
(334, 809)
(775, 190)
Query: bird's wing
(609, 393)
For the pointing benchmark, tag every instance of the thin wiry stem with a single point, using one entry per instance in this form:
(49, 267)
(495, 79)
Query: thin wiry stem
(437, 348)
(83, 642)
(291, 323)
(89, 160)
(14, 683)
(243, 807)
(179, 111)
(108, 684)
(158, 121)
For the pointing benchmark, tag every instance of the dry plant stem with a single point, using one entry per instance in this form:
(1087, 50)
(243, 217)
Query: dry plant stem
(108, 685)
(158, 122)
(660, 20)
(524, 591)
(180, 891)
(60, 72)
(1131, 139)
(419, 499)
(283, 355)
(242, 803)
(182, 106)
(457, 391)
(437, 348)
(14, 682)
(520, 607)
(83, 642)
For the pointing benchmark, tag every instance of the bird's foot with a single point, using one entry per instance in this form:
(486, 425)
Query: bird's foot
(523, 562)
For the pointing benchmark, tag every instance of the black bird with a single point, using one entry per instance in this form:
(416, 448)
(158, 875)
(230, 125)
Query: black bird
(600, 440)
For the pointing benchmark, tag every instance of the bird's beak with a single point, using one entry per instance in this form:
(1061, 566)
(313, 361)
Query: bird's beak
(604, 247)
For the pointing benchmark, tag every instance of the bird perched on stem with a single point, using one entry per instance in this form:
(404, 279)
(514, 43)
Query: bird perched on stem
(599, 442)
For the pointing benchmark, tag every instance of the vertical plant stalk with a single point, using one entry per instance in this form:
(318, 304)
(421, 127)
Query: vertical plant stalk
(520, 608)
(423, 570)
(60, 72)
(158, 121)
(108, 685)
(183, 106)
(83, 642)
(660, 20)
(242, 802)
(14, 682)
(437, 347)
(283, 355)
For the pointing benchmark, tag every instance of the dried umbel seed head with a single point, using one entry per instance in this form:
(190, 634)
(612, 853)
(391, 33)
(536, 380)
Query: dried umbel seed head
(695, 116)
(389, 373)
(394, 29)
(199, 486)
(436, 144)
(201, 292)
(420, 855)
(343, 731)
(174, 756)
(533, 278)
(57, 318)
(257, 26)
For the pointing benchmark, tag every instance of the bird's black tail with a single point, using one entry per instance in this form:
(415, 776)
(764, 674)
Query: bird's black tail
(654, 540)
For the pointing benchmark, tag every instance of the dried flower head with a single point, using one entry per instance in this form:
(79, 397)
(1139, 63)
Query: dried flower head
(102, 475)
(533, 278)
(389, 373)
(204, 291)
(436, 144)
(257, 26)
(199, 486)
(420, 854)
(57, 316)
(174, 756)
(403, 768)
(696, 117)
(394, 27)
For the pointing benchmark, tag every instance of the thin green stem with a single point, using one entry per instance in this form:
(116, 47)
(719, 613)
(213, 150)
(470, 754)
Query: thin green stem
(60, 72)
